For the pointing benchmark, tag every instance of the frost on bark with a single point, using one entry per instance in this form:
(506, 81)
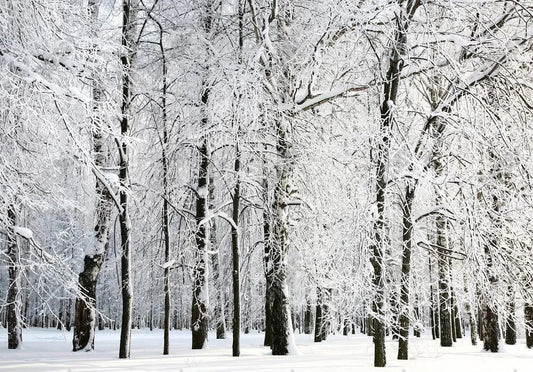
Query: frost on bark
(280, 322)
(14, 326)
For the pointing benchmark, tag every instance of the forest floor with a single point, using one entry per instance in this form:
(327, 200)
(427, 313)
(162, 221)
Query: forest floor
(49, 350)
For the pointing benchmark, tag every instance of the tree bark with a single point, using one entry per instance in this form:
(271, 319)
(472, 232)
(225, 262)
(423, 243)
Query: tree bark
(403, 343)
(510, 327)
(199, 318)
(268, 268)
(13, 316)
(319, 318)
(308, 318)
(166, 196)
(128, 40)
(444, 289)
(85, 306)
(390, 93)
(235, 256)
(528, 317)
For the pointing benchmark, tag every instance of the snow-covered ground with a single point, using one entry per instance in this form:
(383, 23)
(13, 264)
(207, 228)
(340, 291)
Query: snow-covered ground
(49, 350)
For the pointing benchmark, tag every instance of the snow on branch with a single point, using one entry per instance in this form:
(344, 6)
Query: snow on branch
(311, 101)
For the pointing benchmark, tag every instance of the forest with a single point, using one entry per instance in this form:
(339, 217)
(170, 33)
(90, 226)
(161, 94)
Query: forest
(278, 167)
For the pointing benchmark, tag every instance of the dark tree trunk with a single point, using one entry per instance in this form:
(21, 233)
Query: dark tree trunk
(308, 322)
(490, 329)
(278, 246)
(370, 326)
(235, 256)
(13, 316)
(510, 327)
(128, 40)
(444, 289)
(268, 272)
(434, 305)
(319, 320)
(403, 344)
(199, 318)
(390, 93)
(219, 307)
(456, 323)
(528, 317)
(346, 328)
(166, 196)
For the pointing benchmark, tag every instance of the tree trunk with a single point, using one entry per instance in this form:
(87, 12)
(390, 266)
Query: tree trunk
(528, 317)
(490, 329)
(219, 311)
(444, 289)
(268, 271)
(13, 316)
(235, 256)
(281, 327)
(403, 344)
(199, 318)
(166, 196)
(219, 307)
(434, 305)
(128, 40)
(319, 318)
(473, 324)
(85, 306)
(308, 322)
(510, 327)
(456, 318)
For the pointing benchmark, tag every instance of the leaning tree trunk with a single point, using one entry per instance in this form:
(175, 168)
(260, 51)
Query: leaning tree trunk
(403, 343)
(85, 306)
(13, 320)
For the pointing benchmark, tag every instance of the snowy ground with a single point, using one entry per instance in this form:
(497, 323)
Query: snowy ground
(48, 350)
